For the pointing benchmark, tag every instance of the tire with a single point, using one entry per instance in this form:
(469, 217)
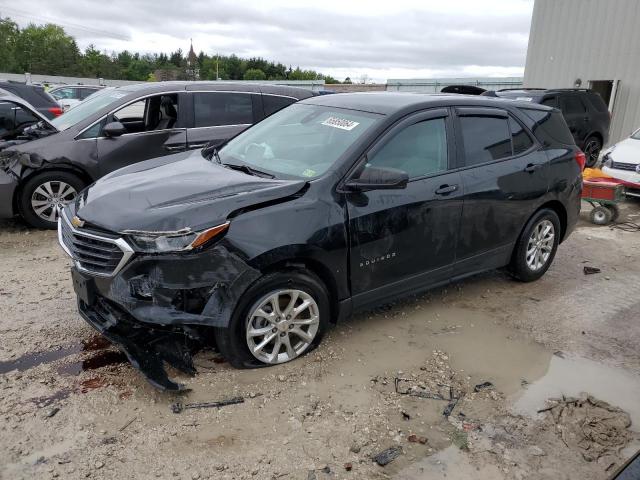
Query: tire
(234, 343)
(525, 267)
(592, 147)
(615, 211)
(601, 215)
(35, 193)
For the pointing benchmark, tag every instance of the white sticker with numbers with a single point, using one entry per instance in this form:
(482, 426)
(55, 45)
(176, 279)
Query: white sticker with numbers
(341, 123)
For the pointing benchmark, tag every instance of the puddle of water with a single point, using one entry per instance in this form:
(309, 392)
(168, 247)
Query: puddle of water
(31, 360)
(572, 376)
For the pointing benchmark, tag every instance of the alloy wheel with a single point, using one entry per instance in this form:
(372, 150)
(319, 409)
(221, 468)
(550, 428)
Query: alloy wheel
(49, 196)
(540, 245)
(282, 325)
(591, 151)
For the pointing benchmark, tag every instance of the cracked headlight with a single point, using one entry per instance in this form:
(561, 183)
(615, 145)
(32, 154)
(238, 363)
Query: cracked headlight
(178, 241)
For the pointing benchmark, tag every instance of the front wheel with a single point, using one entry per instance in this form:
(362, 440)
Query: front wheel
(281, 317)
(42, 195)
(536, 247)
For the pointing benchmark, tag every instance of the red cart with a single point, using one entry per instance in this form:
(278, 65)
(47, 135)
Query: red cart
(603, 194)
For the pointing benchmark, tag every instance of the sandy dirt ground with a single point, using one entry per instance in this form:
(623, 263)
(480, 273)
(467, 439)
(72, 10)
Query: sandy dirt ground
(71, 407)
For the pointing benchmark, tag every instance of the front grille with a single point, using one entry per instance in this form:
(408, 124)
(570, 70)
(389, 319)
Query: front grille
(624, 166)
(93, 253)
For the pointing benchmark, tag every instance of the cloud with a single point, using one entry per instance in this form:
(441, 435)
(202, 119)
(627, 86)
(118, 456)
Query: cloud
(400, 39)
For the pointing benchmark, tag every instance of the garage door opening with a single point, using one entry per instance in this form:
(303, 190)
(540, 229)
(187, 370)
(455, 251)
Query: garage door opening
(606, 89)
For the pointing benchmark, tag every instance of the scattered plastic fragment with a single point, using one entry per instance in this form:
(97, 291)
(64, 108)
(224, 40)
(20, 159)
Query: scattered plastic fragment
(387, 456)
(179, 407)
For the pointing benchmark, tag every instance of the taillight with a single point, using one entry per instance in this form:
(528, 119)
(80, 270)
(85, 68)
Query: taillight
(57, 111)
(581, 159)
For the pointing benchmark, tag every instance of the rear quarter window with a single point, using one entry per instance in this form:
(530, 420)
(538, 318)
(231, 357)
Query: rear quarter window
(550, 127)
(597, 102)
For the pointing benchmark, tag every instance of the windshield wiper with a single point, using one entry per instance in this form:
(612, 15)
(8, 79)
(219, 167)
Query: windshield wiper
(248, 170)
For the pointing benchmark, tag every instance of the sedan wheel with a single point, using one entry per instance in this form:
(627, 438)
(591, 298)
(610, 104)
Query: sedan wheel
(282, 325)
(540, 245)
(49, 196)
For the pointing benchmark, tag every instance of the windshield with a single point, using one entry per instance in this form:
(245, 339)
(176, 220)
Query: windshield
(87, 108)
(300, 141)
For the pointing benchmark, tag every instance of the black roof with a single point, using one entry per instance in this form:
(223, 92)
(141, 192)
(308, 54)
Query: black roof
(389, 103)
(152, 87)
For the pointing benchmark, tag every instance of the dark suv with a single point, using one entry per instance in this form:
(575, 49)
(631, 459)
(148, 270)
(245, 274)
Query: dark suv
(333, 204)
(584, 111)
(36, 96)
(116, 127)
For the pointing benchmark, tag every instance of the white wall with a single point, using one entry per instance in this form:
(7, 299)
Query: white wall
(590, 40)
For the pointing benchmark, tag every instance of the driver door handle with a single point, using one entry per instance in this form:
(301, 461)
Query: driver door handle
(531, 168)
(446, 189)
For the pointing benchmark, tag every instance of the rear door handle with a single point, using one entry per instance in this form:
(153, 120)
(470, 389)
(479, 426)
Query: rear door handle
(531, 168)
(175, 148)
(197, 145)
(446, 189)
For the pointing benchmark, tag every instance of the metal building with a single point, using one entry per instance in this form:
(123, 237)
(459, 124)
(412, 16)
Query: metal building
(589, 44)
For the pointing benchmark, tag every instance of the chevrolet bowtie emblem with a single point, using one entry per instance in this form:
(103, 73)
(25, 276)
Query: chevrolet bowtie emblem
(77, 222)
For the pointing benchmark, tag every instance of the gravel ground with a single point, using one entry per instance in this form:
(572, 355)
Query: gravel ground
(70, 407)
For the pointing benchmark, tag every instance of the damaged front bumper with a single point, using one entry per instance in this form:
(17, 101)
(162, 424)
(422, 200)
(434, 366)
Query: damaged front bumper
(8, 186)
(159, 308)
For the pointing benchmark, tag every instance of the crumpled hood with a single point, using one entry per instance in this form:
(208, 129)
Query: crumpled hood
(167, 194)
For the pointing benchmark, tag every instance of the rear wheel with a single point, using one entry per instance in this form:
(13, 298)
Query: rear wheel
(281, 317)
(592, 147)
(44, 193)
(536, 247)
(615, 211)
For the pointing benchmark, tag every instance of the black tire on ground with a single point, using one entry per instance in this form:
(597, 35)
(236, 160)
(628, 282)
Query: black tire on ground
(615, 211)
(592, 147)
(25, 206)
(601, 215)
(519, 267)
(232, 341)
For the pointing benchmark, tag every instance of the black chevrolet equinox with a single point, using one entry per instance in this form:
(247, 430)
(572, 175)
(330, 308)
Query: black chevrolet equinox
(331, 205)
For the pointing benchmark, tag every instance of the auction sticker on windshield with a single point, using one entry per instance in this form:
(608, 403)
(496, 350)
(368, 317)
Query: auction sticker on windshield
(341, 123)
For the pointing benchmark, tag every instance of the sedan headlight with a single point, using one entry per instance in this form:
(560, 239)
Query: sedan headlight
(178, 241)
(606, 157)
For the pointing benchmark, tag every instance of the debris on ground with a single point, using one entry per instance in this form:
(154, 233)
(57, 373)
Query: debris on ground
(438, 391)
(595, 428)
(387, 456)
(413, 438)
(591, 270)
(179, 407)
(348, 466)
(405, 415)
(482, 386)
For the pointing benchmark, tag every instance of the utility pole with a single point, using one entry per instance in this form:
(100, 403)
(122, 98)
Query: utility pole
(217, 76)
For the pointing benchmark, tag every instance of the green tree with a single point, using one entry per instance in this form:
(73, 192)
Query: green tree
(9, 33)
(254, 74)
(46, 49)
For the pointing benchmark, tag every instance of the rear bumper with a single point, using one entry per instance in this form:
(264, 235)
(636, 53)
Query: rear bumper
(8, 186)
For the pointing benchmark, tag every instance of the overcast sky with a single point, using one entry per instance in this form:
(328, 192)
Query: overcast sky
(390, 39)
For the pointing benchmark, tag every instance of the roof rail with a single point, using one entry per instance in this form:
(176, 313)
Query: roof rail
(569, 89)
(521, 88)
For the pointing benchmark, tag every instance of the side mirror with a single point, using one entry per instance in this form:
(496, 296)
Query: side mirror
(378, 178)
(114, 129)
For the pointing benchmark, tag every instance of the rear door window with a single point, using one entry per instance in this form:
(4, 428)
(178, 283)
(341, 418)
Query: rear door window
(571, 105)
(213, 109)
(485, 138)
(273, 103)
(550, 102)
